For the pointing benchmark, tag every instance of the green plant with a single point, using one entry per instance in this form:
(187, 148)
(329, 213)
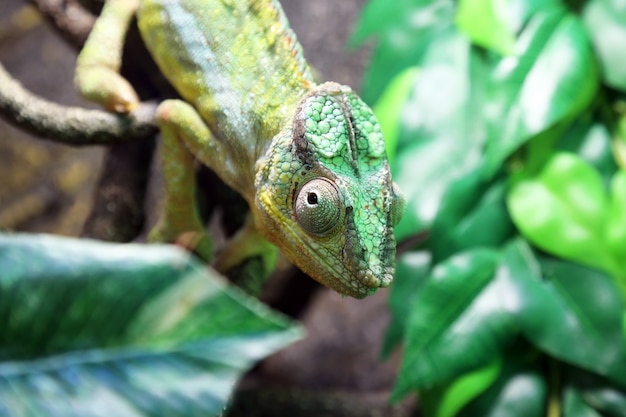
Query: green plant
(506, 125)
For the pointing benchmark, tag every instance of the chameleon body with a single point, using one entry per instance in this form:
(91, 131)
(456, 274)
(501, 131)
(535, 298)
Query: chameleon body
(309, 159)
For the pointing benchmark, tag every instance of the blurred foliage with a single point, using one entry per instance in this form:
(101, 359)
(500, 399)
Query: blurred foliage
(97, 329)
(506, 123)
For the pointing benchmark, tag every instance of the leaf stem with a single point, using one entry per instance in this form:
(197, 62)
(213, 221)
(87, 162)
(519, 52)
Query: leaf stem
(554, 400)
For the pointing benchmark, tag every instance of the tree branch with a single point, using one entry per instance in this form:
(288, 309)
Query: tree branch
(70, 125)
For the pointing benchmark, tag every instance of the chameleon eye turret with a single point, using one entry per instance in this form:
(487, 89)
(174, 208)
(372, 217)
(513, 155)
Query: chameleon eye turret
(318, 206)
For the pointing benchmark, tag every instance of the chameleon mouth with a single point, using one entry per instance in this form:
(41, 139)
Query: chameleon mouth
(371, 266)
(354, 270)
(350, 270)
(338, 272)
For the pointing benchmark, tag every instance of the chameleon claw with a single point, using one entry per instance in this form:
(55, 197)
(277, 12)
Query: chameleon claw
(197, 242)
(104, 86)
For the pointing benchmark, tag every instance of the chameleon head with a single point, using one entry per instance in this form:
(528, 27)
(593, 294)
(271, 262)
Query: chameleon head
(325, 195)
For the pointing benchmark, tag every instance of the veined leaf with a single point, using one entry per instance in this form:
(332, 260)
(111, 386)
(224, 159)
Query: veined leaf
(552, 76)
(453, 328)
(440, 137)
(96, 329)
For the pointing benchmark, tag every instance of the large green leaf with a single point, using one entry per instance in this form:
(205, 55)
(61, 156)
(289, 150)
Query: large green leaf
(566, 211)
(563, 211)
(96, 329)
(440, 137)
(473, 213)
(579, 319)
(551, 77)
(615, 226)
(572, 312)
(606, 22)
(456, 323)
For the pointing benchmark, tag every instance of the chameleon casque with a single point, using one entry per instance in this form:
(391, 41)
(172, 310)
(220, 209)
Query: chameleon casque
(308, 158)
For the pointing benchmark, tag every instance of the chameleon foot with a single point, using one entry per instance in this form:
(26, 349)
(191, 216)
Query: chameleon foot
(247, 243)
(192, 239)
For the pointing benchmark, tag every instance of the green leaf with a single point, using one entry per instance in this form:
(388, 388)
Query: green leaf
(92, 329)
(448, 400)
(484, 21)
(578, 319)
(569, 311)
(605, 21)
(454, 325)
(404, 30)
(440, 138)
(412, 270)
(472, 213)
(563, 211)
(552, 77)
(615, 228)
(579, 186)
(520, 390)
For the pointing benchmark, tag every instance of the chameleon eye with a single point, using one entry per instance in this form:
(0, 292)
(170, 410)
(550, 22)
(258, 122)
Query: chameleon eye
(318, 206)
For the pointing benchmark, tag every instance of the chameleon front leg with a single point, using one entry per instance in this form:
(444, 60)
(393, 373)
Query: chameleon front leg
(98, 79)
(97, 68)
(182, 132)
(245, 244)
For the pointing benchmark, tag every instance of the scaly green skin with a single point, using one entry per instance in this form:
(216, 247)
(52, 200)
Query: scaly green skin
(309, 159)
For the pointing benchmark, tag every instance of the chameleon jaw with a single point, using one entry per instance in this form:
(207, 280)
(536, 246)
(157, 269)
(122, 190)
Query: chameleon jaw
(340, 269)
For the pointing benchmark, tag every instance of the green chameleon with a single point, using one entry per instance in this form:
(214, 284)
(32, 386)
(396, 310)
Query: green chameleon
(309, 159)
